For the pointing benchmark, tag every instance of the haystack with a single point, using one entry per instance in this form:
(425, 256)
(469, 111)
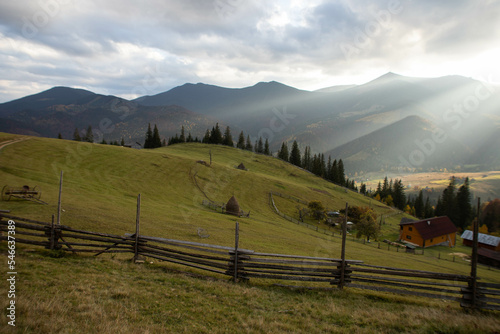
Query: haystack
(232, 207)
(242, 166)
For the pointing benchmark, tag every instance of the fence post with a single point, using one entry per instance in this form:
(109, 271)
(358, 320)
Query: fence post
(473, 271)
(342, 265)
(52, 234)
(137, 220)
(59, 201)
(236, 241)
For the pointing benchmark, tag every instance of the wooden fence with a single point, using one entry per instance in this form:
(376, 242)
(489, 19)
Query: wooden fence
(244, 264)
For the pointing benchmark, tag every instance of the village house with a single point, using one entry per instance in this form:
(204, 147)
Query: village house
(488, 247)
(428, 232)
(484, 240)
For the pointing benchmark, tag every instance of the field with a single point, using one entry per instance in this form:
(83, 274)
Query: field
(100, 187)
(485, 185)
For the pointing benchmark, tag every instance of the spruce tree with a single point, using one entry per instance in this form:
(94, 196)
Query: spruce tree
(306, 160)
(156, 138)
(341, 172)
(328, 171)
(241, 141)
(122, 143)
(420, 206)
(182, 138)
(464, 207)
(295, 154)
(89, 135)
(266, 148)
(283, 152)
(259, 147)
(335, 172)
(228, 138)
(449, 201)
(76, 135)
(206, 138)
(398, 194)
(148, 142)
(216, 135)
(248, 145)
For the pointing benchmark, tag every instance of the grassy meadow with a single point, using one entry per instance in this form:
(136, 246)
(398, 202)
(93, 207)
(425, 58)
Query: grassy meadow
(73, 294)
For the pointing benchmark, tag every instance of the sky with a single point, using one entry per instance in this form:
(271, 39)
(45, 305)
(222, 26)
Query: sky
(134, 48)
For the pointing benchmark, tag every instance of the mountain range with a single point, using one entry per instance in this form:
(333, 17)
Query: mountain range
(391, 123)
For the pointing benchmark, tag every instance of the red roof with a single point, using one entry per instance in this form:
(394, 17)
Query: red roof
(433, 227)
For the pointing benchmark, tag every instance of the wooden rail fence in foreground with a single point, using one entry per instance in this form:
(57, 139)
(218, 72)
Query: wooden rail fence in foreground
(243, 264)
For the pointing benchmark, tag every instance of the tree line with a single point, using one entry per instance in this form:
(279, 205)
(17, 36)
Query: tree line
(391, 193)
(216, 137)
(88, 136)
(332, 171)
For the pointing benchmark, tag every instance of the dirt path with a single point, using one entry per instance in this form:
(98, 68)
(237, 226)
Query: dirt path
(12, 141)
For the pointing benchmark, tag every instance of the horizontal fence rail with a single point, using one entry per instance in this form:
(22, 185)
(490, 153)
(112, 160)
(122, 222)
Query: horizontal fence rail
(243, 264)
(408, 281)
(488, 296)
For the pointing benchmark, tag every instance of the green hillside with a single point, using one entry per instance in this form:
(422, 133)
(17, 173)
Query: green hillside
(110, 294)
(101, 184)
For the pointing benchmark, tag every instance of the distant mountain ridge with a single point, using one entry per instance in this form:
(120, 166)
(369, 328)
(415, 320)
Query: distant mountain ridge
(346, 122)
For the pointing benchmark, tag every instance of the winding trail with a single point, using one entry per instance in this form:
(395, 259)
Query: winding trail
(12, 141)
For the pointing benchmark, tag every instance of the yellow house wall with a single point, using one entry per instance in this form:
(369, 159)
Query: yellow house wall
(417, 239)
(414, 235)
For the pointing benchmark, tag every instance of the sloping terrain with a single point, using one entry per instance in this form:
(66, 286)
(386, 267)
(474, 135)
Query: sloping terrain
(110, 294)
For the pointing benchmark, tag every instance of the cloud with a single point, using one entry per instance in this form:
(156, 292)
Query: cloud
(128, 48)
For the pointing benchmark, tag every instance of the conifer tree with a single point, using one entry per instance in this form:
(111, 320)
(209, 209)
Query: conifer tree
(449, 201)
(228, 138)
(89, 135)
(156, 138)
(295, 154)
(335, 172)
(122, 143)
(266, 148)
(260, 146)
(76, 135)
(248, 145)
(206, 138)
(306, 160)
(464, 207)
(148, 142)
(241, 141)
(283, 152)
(398, 195)
(216, 135)
(341, 172)
(182, 138)
(419, 205)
